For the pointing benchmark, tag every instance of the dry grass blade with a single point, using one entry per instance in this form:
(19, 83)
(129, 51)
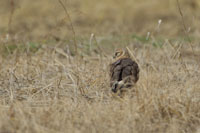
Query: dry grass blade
(184, 26)
(71, 24)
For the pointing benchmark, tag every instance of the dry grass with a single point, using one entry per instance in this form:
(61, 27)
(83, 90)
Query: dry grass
(49, 92)
(45, 88)
(43, 18)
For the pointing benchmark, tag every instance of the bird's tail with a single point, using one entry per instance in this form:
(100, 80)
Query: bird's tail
(128, 82)
(117, 86)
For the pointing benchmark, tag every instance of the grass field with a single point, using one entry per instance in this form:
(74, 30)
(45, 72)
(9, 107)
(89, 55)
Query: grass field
(54, 66)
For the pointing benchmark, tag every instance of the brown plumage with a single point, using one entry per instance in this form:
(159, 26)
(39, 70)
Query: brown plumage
(124, 72)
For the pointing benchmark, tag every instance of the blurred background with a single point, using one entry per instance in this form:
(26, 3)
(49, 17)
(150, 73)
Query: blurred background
(40, 19)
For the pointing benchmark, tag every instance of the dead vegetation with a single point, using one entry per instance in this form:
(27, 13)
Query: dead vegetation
(46, 87)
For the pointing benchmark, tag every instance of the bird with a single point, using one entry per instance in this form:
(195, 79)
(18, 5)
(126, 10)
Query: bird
(124, 72)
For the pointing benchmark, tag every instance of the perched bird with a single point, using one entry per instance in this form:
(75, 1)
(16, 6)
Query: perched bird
(124, 72)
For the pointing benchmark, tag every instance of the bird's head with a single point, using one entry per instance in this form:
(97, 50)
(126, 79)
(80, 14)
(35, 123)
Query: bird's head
(121, 53)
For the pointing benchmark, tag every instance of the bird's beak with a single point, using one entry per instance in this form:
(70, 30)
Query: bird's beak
(114, 56)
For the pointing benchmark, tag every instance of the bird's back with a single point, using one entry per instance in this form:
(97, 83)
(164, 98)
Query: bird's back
(123, 68)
